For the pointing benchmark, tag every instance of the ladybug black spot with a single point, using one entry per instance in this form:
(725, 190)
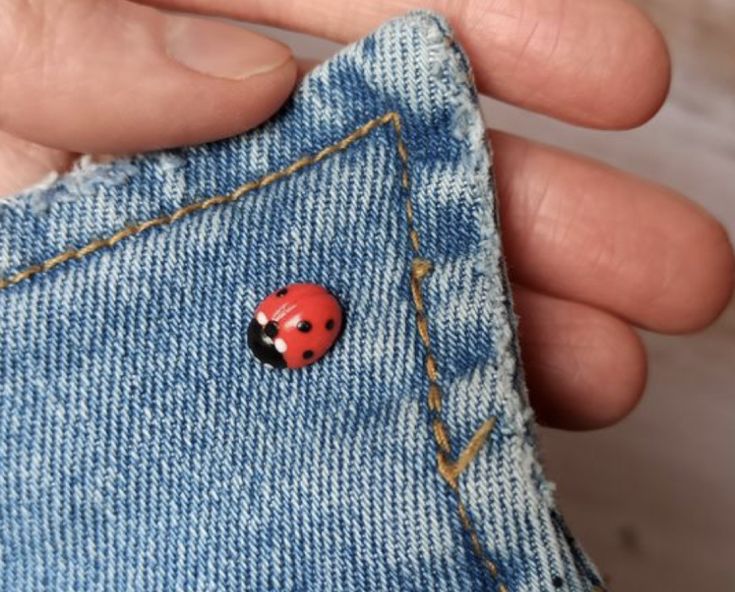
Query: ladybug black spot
(304, 326)
(308, 354)
(282, 292)
(271, 329)
(330, 324)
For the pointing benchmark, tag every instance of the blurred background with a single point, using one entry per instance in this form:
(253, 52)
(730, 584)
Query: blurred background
(653, 499)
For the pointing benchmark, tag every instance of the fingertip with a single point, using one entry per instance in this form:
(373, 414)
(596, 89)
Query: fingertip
(222, 50)
(585, 368)
(637, 91)
(226, 108)
(612, 384)
(707, 278)
(591, 402)
(152, 80)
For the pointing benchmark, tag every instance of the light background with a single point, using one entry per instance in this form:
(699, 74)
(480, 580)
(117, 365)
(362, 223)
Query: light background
(653, 499)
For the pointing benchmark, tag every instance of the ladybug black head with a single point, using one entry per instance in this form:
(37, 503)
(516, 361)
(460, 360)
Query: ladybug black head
(260, 340)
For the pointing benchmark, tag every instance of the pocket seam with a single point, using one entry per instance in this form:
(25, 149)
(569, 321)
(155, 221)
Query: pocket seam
(189, 209)
(449, 470)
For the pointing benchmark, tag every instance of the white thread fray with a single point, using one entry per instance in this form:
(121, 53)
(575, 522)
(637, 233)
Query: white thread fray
(87, 175)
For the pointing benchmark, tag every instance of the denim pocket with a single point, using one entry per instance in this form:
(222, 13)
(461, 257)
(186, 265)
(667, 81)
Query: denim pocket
(142, 446)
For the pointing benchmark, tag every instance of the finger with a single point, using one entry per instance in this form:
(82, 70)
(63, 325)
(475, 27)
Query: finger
(580, 230)
(305, 65)
(23, 163)
(584, 368)
(114, 77)
(600, 64)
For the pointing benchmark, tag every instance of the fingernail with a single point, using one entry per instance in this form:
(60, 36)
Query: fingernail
(222, 50)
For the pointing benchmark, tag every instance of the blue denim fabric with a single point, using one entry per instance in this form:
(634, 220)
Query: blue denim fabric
(142, 447)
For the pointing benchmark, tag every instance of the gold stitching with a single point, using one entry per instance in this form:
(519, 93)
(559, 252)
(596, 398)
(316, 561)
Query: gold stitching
(189, 209)
(420, 268)
(449, 470)
(435, 398)
(442, 437)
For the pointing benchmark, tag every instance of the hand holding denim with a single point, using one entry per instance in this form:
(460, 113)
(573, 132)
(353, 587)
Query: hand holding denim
(592, 251)
(143, 446)
(174, 178)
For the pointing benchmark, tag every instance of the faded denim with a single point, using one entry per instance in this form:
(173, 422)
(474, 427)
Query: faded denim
(142, 447)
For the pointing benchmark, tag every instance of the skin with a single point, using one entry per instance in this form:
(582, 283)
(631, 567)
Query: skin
(593, 252)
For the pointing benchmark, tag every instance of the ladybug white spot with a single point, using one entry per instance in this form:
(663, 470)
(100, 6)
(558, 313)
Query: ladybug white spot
(280, 345)
(261, 318)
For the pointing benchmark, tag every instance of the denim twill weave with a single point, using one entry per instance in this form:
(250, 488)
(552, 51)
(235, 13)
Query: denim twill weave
(142, 447)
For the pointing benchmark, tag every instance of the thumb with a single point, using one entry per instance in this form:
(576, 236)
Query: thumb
(112, 77)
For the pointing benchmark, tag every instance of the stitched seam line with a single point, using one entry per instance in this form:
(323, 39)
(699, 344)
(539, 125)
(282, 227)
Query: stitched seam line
(420, 268)
(448, 470)
(187, 210)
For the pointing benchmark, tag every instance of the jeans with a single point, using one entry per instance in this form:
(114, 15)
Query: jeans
(143, 447)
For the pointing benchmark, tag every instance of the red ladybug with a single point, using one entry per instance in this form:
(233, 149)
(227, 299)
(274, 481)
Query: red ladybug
(295, 326)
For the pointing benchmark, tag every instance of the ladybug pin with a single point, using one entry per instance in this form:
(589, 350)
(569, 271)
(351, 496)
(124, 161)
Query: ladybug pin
(295, 326)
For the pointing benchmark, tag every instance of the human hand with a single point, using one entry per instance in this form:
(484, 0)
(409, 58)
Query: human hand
(593, 252)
